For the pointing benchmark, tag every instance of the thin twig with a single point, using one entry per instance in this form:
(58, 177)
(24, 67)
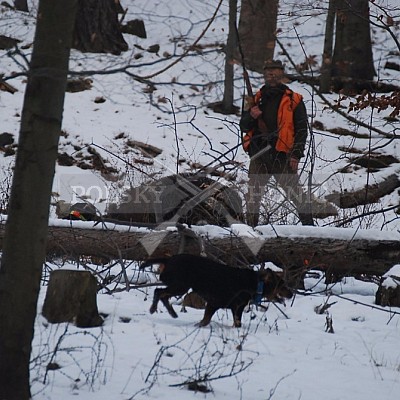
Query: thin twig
(189, 48)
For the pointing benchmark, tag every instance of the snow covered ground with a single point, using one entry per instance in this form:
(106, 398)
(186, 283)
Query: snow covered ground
(277, 354)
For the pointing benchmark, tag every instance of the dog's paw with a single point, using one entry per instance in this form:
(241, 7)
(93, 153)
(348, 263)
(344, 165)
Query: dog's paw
(153, 309)
(201, 323)
(282, 301)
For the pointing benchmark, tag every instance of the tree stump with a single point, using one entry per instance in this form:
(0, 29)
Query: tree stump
(388, 293)
(71, 297)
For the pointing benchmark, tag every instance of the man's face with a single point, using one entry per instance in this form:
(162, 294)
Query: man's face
(273, 76)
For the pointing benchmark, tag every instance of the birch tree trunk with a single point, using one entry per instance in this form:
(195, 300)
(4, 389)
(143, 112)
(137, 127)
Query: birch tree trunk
(25, 239)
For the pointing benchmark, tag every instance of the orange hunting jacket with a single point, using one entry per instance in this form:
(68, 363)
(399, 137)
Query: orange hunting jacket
(290, 100)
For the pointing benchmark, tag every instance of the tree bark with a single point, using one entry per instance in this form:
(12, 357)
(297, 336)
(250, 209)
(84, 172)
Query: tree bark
(326, 67)
(24, 246)
(257, 29)
(97, 29)
(335, 251)
(352, 57)
(227, 102)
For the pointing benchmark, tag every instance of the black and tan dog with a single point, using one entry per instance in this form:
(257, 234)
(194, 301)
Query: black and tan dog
(219, 285)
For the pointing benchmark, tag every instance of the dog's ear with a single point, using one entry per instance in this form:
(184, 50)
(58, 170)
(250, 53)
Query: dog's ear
(275, 288)
(271, 279)
(161, 268)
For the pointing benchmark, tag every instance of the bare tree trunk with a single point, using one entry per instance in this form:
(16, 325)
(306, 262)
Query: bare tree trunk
(227, 102)
(326, 68)
(352, 57)
(257, 29)
(97, 29)
(25, 239)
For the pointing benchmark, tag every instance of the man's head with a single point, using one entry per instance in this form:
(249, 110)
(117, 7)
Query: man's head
(274, 72)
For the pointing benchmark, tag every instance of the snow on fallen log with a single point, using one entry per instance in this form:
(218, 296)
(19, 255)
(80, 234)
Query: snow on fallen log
(342, 251)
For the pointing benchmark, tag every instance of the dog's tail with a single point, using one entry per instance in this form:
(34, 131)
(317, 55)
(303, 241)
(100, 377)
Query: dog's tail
(151, 261)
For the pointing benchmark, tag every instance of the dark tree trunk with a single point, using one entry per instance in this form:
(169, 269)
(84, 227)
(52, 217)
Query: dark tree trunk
(227, 102)
(97, 29)
(24, 247)
(352, 57)
(326, 68)
(257, 29)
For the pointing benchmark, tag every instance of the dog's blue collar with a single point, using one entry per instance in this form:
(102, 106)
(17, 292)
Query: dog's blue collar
(259, 294)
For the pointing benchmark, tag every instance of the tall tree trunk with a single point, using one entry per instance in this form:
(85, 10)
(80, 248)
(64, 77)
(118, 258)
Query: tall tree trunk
(227, 102)
(27, 224)
(326, 68)
(97, 29)
(352, 57)
(257, 29)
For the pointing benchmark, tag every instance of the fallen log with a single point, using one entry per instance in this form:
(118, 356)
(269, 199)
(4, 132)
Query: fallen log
(339, 251)
(368, 195)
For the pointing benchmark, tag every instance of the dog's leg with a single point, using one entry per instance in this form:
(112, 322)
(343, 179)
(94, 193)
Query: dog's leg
(156, 298)
(208, 313)
(237, 315)
(168, 306)
(164, 295)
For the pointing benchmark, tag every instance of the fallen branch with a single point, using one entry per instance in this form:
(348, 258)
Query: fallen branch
(367, 195)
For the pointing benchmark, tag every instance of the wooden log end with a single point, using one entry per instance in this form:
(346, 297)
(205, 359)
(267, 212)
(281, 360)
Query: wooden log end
(388, 293)
(71, 297)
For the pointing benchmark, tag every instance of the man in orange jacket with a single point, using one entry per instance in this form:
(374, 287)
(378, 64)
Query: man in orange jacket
(275, 128)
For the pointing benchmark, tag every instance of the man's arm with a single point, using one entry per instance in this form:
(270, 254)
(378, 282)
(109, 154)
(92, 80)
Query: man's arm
(247, 122)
